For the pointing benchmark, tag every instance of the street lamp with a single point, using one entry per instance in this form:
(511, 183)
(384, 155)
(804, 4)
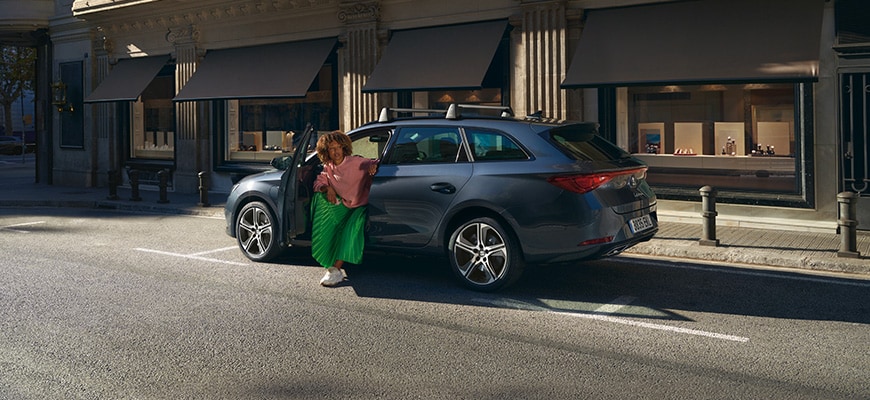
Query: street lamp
(58, 97)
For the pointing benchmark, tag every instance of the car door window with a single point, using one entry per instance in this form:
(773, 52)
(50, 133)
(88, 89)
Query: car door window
(425, 145)
(371, 144)
(491, 145)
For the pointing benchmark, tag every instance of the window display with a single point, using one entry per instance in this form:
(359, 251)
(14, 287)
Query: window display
(153, 121)
(741, 137)
(259, 130)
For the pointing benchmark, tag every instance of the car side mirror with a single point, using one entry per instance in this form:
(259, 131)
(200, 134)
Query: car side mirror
(281, 162)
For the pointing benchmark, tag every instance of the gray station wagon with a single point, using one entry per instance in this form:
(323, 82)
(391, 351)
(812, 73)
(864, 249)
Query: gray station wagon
(488, 194)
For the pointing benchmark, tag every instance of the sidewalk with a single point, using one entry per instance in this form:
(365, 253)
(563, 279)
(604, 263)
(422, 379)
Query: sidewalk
(760, 247)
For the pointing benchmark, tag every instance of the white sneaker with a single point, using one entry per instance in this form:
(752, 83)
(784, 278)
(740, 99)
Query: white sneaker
(333, 277)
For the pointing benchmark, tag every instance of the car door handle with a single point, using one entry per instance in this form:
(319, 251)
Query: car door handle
(443, 187)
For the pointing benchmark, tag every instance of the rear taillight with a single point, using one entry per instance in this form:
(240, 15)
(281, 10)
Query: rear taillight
(583, 183)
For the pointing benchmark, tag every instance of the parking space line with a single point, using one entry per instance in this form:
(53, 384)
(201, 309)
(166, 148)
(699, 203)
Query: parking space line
(214, 251)
(13, 226)
(660, 327)
(190, 256)
(615, 305)
(602, 314)
(754, 272)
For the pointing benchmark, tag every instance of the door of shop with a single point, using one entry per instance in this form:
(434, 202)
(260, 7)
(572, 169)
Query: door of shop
(854, 135)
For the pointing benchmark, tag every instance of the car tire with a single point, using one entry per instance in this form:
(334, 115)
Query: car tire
(484, 256)
(256, 232)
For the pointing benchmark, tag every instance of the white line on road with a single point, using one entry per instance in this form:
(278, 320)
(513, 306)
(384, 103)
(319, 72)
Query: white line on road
(615, 305)
(600, 314)
(834, 281)
(190, 256)
(12, 227)
(214, 251)
(660, 327)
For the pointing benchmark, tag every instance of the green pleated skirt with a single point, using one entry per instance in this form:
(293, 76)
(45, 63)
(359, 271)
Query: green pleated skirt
(338, 232)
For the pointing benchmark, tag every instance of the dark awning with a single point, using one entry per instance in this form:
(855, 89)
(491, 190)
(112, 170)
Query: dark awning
(128, 79)
(279, 70)
(444, 57)
(700, 41)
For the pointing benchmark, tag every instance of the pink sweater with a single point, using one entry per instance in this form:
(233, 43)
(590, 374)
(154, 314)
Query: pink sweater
(350, 179)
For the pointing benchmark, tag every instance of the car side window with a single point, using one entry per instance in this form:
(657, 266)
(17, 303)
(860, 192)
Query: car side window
(425, 145)
(371, 144)
(492, 145)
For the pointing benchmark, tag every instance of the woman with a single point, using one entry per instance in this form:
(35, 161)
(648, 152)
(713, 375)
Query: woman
(339, 205)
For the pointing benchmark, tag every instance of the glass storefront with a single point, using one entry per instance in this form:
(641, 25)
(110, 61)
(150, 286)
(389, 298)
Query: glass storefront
(153, 121)
(741, 138)
(259, 130)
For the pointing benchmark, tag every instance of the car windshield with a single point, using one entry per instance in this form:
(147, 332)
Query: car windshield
(582, 142)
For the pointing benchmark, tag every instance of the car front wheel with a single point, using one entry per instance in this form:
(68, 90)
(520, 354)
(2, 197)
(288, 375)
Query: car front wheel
(256, 232)
(484, 256)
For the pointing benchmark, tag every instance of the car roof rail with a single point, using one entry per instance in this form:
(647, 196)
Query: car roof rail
(387, 112)
(453, 112)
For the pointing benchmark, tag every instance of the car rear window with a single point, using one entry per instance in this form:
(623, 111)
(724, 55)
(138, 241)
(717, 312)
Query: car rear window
(491, 145)
(582, 142)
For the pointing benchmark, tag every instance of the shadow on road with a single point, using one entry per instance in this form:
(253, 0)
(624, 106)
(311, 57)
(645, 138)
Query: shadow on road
(668, 288)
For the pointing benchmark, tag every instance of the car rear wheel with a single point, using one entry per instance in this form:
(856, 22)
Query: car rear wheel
(484, 256)
(256, 232)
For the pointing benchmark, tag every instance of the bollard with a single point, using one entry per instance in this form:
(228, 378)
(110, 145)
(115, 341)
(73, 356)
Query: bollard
(847, 225)
(708, 215)
(113, 185)
(133, 174)
(203, 189)
(162, 182)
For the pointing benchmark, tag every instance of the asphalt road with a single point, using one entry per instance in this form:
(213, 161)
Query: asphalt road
(107, 305)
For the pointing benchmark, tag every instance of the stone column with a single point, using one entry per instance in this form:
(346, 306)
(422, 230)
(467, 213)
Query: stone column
(539, 43)
(104, 122)
(357, 58)
(191, 145)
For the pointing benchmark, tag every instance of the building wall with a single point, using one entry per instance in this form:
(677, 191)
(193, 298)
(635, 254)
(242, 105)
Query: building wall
(543, 40)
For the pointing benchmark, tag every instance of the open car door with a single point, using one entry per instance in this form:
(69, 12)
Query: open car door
(294, 194)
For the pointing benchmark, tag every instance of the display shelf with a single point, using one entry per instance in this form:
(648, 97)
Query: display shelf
(651, 137)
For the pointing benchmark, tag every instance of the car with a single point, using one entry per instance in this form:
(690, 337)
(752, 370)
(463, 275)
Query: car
(488, 194)
(10, 145)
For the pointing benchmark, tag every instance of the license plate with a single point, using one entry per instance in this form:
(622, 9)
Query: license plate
(641, 223)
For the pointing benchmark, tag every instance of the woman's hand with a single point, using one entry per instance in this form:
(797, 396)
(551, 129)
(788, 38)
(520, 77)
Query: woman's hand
(373, 169)
(330, 195)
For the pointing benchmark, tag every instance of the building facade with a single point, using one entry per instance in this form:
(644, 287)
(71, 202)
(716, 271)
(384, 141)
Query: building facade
(764, 101)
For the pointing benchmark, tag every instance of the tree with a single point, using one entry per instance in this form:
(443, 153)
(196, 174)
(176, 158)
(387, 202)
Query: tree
(17, 73)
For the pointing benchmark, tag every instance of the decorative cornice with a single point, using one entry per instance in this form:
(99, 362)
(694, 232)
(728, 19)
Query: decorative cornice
(360, 12)
(101, 43)
(207, 14)
(182, 35)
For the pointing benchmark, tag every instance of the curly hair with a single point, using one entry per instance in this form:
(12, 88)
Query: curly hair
(333, 137)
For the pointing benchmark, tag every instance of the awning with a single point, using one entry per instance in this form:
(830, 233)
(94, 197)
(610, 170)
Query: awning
(127, 79)
(444, 57)
(700, 41)
(281, 70)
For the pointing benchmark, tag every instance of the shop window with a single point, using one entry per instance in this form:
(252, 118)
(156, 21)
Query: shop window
(738, 138)
(852, 30)
(259, 130)
(153, 120)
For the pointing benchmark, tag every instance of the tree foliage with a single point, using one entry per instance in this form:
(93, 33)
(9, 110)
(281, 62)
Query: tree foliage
(17, 74)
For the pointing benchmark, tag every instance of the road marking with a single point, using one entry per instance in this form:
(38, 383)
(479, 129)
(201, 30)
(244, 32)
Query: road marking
(190, 256)
(12, 227)
(615, 305)
(214, 251)
(835, 281)
(660, 327)
(602, 314)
